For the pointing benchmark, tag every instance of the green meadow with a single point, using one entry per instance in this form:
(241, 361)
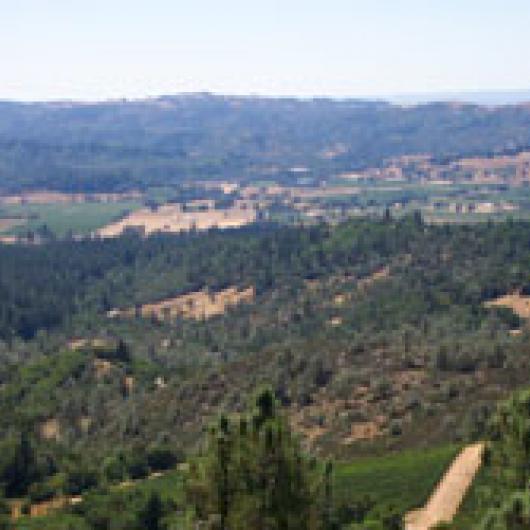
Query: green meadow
(62, 219)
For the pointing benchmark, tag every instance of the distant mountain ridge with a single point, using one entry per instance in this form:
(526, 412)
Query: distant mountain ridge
(124, 145)
(493, 97)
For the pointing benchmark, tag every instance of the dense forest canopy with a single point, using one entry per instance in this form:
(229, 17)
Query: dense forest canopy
(123, 145)
(44, 286)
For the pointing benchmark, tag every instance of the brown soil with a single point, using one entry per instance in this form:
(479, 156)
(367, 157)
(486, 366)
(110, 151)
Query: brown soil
(446, 499)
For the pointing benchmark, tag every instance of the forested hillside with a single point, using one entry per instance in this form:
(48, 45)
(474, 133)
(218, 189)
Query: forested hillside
(125, 145)
(374, 335)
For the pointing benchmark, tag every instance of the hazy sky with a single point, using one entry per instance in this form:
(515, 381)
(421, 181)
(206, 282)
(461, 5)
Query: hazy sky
(94, 49)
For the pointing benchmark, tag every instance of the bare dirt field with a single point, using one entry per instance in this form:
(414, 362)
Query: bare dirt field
(518, 303)
(172, 218)
(446, 499)
(198, 305)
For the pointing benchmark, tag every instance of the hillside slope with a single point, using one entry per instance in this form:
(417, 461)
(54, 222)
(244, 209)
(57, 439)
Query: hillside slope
(123, 145)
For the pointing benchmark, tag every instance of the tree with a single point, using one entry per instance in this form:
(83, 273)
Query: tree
(255, 475)
(151, 516)
(123, 352)
(22, 470)
(511, 434)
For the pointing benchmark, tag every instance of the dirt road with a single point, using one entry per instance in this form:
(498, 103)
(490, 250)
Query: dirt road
(450, 492)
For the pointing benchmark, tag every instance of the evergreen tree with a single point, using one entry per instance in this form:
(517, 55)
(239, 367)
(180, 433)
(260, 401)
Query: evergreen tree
(255, 475)
(151, 516)
(21, 472)
(511, 450)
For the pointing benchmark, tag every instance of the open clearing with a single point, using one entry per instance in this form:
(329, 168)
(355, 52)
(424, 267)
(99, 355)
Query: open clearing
(174, 218)
(198, 305)
(518, 303)
(80, 218)
(450, 492)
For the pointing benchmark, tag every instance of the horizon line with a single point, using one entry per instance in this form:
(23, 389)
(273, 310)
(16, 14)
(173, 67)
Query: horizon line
(399, 98)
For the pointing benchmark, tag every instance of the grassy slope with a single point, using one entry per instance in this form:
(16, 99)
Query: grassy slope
(399, 481)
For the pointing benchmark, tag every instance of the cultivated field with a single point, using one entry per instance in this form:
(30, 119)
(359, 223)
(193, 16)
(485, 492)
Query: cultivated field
(173, 218)
(399, 481)
(62, 217)
(198, 305)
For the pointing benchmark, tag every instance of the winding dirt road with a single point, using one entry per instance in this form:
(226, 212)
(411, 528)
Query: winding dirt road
(450, 492)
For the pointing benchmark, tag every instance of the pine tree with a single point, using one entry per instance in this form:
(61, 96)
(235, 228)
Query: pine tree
(256, 476)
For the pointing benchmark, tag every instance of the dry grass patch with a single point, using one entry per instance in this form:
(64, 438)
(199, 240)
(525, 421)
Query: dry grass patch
(518, 303)
(198, 305)
(173, 218)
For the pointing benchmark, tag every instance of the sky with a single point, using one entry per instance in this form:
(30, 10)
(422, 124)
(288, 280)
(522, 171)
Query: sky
(101, 49)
